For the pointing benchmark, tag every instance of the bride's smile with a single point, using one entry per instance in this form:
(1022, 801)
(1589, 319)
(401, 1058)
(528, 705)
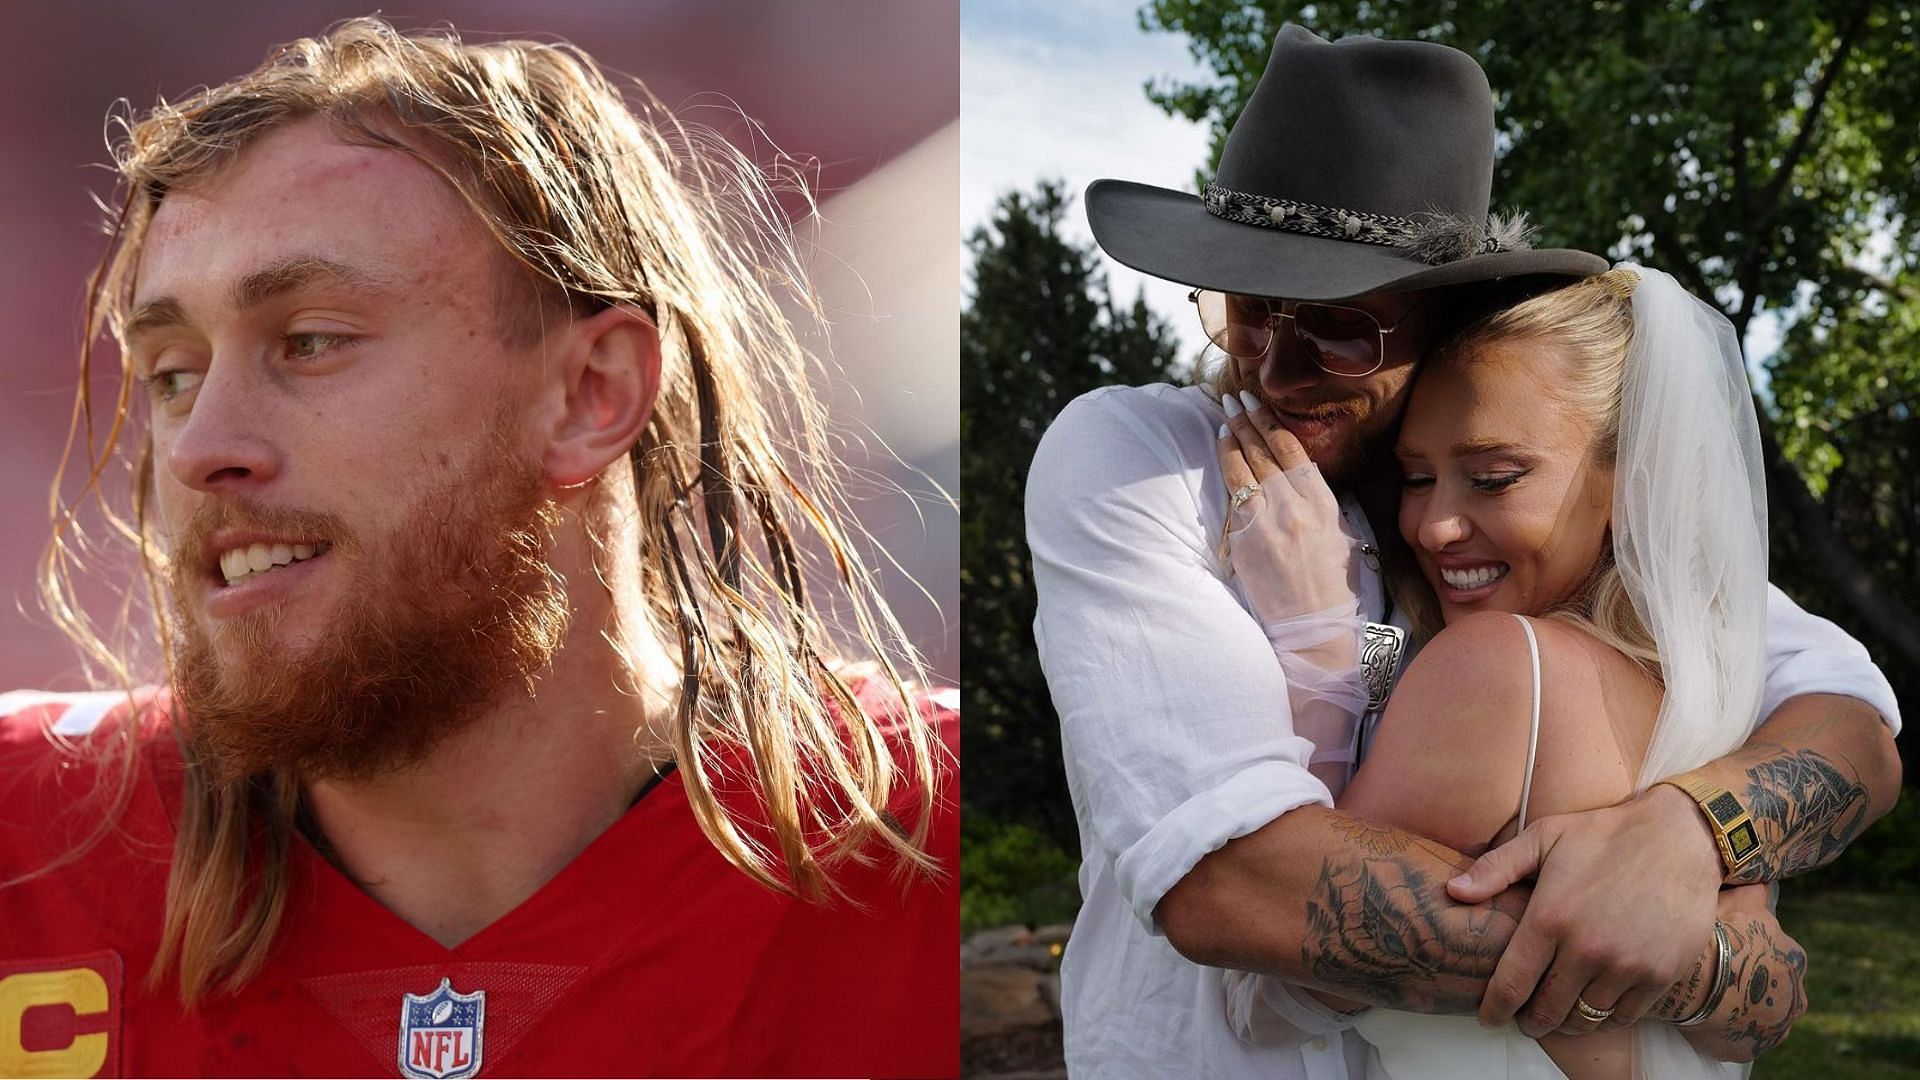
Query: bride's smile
(1504, 501)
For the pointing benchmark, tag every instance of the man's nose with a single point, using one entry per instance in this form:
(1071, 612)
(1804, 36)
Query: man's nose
(221, 445)
(1288, 366)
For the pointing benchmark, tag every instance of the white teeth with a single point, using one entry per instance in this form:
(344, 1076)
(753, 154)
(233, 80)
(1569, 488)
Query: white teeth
(1475, 578)
(241, 563)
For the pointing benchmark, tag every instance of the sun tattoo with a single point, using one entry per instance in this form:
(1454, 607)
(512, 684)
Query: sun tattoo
(1375, 838)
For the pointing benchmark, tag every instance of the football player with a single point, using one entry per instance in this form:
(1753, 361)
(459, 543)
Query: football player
(474, 462)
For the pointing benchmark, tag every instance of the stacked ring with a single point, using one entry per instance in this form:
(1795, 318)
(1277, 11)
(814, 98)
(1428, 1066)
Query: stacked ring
(1591, 1013)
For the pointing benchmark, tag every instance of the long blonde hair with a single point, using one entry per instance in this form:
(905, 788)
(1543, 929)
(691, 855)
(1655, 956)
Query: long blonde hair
(1591, 322)
(600, 206)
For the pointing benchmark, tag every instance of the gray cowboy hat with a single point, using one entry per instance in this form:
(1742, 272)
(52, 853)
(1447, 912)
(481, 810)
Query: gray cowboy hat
(1358, 166)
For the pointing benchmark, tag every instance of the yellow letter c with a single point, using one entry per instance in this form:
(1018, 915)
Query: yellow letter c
(81, 988)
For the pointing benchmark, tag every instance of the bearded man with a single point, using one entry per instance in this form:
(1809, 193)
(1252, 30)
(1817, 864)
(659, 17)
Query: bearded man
(500, 733)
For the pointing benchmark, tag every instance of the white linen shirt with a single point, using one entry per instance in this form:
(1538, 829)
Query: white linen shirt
(1176, 731)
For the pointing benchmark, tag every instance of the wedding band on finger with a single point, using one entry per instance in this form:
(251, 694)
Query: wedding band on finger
(1596, 1015)
(1241, 494)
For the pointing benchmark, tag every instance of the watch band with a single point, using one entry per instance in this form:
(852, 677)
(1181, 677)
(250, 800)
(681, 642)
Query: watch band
(1729, 821)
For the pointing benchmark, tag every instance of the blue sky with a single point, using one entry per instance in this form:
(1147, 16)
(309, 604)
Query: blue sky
(1054, 90)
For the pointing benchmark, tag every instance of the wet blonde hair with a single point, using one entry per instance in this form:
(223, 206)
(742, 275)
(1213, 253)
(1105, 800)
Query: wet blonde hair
(595, 206)
(1590, 322)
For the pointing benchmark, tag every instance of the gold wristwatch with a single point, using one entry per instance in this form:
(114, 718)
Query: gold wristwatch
(1729, 822)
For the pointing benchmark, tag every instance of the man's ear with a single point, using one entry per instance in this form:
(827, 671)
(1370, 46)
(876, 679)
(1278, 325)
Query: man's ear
(611, 376)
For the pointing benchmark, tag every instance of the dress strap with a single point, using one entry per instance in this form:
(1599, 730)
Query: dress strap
(1533, 729)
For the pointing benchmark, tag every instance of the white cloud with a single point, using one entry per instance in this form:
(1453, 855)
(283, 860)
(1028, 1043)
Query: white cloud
(1061, 96)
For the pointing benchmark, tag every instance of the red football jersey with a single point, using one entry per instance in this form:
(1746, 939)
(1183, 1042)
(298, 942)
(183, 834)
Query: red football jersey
(648, 955)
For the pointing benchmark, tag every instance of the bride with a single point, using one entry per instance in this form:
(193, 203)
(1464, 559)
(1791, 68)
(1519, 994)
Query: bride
(1583, 509)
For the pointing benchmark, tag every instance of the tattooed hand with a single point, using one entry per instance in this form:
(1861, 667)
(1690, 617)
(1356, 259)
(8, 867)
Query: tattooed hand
(1766, 990)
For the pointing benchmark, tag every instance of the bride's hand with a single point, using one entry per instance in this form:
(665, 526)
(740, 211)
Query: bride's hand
(1287, 543)
(1285, 538)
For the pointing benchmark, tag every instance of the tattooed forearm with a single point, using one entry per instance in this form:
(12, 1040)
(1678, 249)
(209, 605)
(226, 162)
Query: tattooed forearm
(1766, 993)
(1381, 929)
(1806, 809)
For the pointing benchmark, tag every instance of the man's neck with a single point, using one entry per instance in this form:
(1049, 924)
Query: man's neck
(454, 843)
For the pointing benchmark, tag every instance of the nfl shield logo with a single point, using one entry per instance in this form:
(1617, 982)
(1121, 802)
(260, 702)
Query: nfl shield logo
(440, 1033)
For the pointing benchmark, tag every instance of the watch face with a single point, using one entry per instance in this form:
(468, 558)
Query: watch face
(1724, 808)
(1742, 841)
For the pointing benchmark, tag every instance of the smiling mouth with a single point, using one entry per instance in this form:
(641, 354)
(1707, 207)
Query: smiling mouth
(1477, 578)
(256, 560)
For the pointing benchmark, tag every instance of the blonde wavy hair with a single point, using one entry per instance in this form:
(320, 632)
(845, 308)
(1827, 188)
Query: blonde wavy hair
(602, 203)
(1591, 321)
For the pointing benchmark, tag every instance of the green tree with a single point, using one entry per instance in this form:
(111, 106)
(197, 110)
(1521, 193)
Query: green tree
(1039, 330)
(1764, 152)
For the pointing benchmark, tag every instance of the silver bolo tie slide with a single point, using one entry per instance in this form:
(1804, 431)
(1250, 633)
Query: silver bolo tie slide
(1381, 645)
(1380, 648)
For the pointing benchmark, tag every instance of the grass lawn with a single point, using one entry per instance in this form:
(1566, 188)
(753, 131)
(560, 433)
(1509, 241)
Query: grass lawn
(1863, 987)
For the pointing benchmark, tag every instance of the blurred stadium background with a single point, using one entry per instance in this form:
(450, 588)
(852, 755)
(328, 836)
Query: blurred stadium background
(869, 92)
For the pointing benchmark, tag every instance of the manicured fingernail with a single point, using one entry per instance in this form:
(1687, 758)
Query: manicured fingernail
(1247, 399)
(1224, 431)
(1231, 404)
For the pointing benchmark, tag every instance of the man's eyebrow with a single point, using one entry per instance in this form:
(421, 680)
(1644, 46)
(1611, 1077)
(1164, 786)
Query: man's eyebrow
(292, 273)
(254, 289)
(153, 315)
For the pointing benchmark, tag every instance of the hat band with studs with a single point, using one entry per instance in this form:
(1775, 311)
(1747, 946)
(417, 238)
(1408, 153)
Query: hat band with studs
(1434, 238)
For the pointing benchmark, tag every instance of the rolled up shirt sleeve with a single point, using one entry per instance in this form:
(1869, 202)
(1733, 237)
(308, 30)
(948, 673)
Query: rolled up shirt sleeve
(1173, 711)
(1806, 654)
(1264, 1010)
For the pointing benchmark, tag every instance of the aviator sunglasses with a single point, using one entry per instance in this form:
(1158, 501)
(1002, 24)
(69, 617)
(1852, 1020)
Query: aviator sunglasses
(1345, 341)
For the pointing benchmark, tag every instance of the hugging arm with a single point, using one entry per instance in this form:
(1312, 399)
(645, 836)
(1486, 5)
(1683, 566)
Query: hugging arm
(1354, 903)
(1341, 904)
(1817, 771)
(1455, 770)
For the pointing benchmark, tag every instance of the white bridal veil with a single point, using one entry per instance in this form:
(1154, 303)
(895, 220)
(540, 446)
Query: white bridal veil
(1690, 522)
(1690, 540)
